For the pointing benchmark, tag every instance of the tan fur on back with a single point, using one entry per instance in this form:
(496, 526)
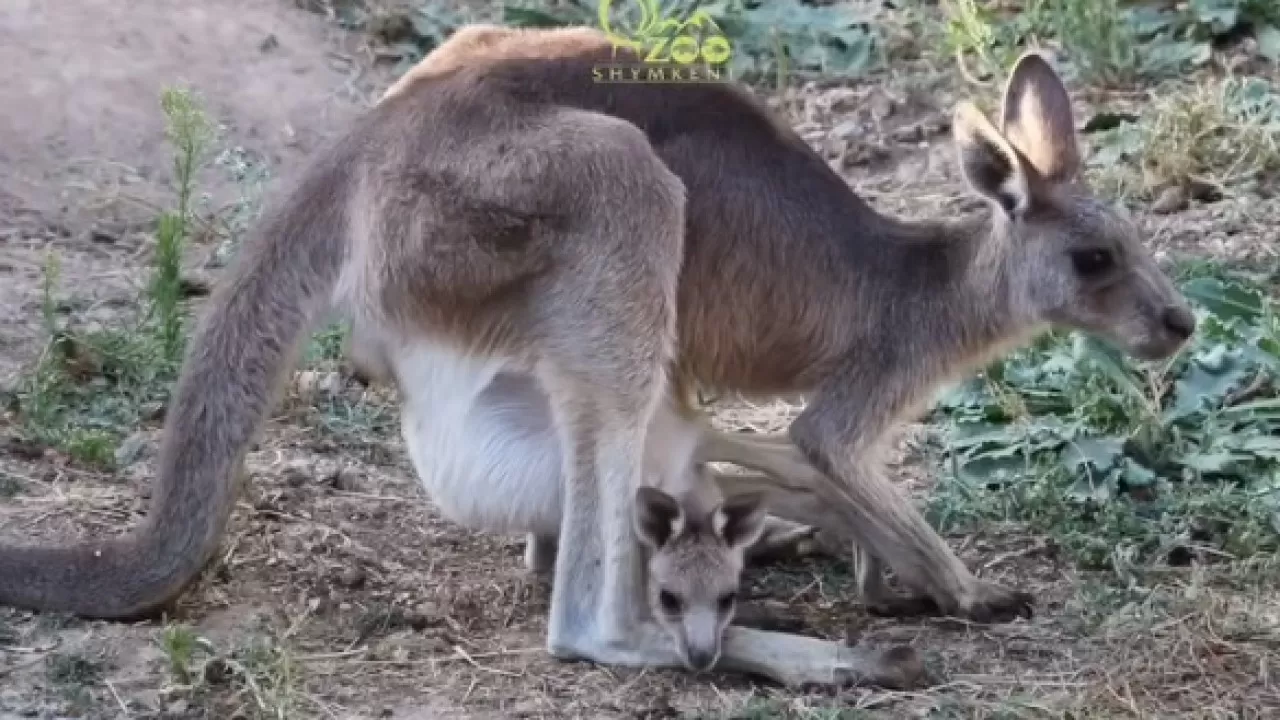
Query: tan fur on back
(476, 45)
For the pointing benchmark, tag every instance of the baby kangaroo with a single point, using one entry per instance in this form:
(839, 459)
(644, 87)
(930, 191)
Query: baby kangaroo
(496, 464)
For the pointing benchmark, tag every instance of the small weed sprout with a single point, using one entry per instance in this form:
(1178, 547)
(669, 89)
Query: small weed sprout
(91, 386)
(261, 674)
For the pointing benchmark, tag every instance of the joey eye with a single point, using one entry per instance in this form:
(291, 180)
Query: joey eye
(670, 603)
(726, 601)
(1092, 262)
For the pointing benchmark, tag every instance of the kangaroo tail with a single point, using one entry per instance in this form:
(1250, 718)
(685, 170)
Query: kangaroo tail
(246, 342)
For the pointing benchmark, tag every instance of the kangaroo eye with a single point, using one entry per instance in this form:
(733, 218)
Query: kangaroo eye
(1089, 263)
(726, 601)
(670, 603)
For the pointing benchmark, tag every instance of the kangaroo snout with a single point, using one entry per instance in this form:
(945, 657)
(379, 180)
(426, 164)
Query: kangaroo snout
(1179, 321)
(702, 659)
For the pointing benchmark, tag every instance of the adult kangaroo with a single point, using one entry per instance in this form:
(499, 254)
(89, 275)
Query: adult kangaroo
(501, 213)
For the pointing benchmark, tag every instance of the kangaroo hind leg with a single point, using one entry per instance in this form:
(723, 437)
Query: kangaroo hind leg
(606, 335)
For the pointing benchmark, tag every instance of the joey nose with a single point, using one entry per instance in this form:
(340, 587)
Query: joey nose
(701, 659)
(1179, 321)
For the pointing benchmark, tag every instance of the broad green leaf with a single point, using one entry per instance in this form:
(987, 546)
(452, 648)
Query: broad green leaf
(1135, 475)
(1207, 381)
(1147, 20)
(1264, 446)
(1165, 55)
(1110, 362)
(1227, 301)
(1268, 37)
(1268, 408)
(1098, 487)
(989, 472)
(971, 435)
(1210, 463)
(1099, 452)
(1220, 15)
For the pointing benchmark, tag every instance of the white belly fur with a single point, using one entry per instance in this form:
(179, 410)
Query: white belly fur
(483, 465)
(487, 453)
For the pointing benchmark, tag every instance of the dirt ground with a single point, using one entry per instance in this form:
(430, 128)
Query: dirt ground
(379, 608)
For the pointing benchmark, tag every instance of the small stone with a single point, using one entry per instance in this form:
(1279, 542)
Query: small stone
(309, 383)
(217, 672)
(154, 411)
(194, 285)
(330, 384)
(297, 473)
(1172, 199)
(305, 382)
(131, 450)
(842, 100)
(353, 578)
(423, 616)
(914, 133)
(882, 106)
(347, 480)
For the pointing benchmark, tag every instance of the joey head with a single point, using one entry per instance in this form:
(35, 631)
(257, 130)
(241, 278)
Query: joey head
(695, 565)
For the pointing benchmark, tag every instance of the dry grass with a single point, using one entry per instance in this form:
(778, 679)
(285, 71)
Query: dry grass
(1205, 138)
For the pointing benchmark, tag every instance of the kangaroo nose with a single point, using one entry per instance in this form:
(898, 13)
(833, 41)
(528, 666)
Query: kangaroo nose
(701, 659)
(1179, 321)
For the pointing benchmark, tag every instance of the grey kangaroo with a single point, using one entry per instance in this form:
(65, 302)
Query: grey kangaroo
(500, 212)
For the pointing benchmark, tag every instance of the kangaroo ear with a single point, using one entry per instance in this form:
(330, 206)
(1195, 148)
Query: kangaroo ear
(989, 162)
(739, 520)
(658, 517)
(1036, 118)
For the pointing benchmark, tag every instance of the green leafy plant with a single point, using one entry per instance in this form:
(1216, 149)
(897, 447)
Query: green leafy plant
(1116, 457)
(774, 40)
(260, 673)
(1106, 42)
(985, 43)
(1221, 135)
(92, 385)
(1185, 32)
(1099, 37)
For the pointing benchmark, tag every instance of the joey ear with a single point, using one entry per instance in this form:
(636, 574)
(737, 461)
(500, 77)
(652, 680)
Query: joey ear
(739, 520)
(658, 517)
(1035, 116)
(988, 161)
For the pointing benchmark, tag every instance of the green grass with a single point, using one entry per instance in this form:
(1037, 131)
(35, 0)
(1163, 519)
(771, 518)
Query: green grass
(73, 677)
(258, 677)
(1128, 464)
(1105, 42)
(93, 386)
